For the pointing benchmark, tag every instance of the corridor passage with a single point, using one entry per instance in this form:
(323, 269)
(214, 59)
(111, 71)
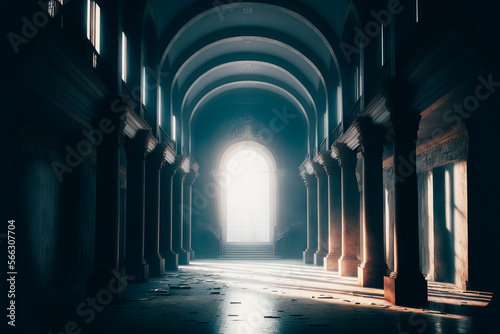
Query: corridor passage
(285, 296)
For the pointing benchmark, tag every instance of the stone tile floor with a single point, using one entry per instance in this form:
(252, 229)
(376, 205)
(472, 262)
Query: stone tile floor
(285, 296)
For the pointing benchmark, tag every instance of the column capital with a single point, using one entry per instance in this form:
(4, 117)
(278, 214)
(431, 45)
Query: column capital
(318, 169)
(156, 158)
(138, 146)
(371, 137)
(404, 126)
(309, 180)
(329, 164)
(191, 178)
(346, 157)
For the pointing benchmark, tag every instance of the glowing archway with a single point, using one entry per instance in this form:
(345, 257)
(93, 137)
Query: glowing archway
(248, 194)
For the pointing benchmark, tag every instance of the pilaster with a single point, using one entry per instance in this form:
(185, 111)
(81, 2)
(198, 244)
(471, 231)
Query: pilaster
(348, 262)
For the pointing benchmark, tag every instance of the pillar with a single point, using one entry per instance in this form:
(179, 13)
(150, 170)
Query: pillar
(332, 169)
(373, 268)
(187, 212)
(322, 188)
(136, 150)
(107, 224)
(312, 218)
(406, 286)
(171, 258)
(348, 262)
(177, 213)
(154, 164)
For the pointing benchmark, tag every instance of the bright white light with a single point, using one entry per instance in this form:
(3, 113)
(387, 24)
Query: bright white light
(97, 44)
(417, 9)
(88, 19)
(94, 24)
(248, 198)
(143, 92)
(339, 105)
(124, 57)
(159, 106)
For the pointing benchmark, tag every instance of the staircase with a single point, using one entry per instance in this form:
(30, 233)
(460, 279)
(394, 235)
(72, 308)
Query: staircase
(248, 252)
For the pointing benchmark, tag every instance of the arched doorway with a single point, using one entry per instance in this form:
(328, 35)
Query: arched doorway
(248, 194)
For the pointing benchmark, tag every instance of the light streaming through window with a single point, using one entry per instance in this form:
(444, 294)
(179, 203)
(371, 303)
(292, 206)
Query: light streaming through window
(248, 198)
(143, 85)
(94, 24)
(124, 57)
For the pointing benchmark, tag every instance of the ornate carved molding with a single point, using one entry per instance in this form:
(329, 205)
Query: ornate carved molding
(346, 157)
(156, 158)
(371, 137)
(309, 180)
(138, 147)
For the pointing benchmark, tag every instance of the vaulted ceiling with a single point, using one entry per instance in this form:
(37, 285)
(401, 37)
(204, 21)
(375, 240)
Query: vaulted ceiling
(212, 48)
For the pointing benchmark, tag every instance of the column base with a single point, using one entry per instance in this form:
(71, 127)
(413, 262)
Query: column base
(102, 284)
(332, 262)
(319, 258)
(156, 265)
(139, 270)
(171, 261)
(308, 256)
(410, 291)
(348, 266)
(372, 275)
(191, 253)
(183, 257)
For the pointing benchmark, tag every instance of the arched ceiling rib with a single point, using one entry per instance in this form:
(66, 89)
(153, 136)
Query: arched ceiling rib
(245, 85)
(246, 69)
(251, 43)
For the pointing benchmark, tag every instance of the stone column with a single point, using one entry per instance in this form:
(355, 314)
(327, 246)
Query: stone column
(332, 169)
(154, 164)
(406, 286)
(280, 202)
(171, 258)
(312, 218)
(187, 212)
(136, 150)
(177, 212)
(372, 270)
(322, 186)
(348, 262)
(106, 258)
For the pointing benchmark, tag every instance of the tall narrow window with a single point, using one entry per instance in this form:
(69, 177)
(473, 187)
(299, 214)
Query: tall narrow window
(382, 46)
(94, 24)
(417, 11)
(339, 105)
(358, 80)
(159, 111)
(94, 28)
(124, 57)
(174, 126)
(143, 84)
(325, 124)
